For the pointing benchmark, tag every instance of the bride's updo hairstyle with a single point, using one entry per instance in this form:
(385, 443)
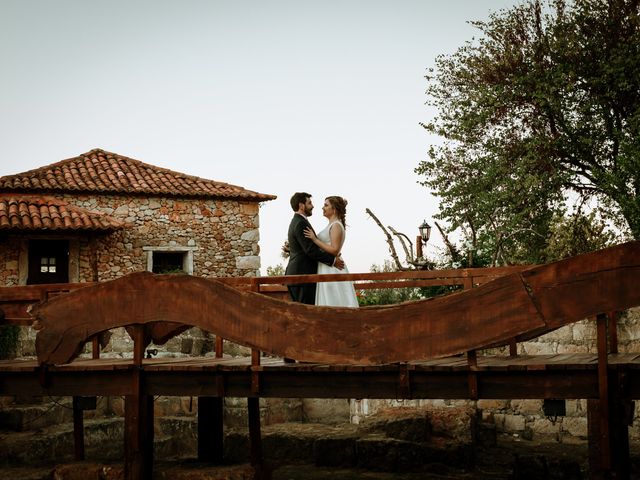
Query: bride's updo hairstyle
(340, 206)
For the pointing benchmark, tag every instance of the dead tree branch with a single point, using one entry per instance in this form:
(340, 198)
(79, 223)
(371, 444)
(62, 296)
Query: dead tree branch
(401, 237)
(392, 248)
(453, 251)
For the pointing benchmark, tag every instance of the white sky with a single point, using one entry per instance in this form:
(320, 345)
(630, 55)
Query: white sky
(275, 96)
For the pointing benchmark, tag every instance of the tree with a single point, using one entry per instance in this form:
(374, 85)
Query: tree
(576, 234)
(275, 270)
(542, 108)
(386, 296)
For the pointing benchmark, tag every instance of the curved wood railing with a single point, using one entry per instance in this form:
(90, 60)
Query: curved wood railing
(518, 305)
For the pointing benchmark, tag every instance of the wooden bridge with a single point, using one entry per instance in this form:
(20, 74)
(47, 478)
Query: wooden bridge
(424, 349)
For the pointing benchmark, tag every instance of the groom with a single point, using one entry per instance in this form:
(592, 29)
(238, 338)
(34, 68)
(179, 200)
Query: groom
(304, 255)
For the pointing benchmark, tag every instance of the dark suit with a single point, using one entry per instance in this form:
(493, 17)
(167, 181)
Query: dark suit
(304, 256)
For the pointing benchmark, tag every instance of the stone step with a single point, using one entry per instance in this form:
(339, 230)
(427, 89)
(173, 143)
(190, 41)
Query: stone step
(174, 436)
(20, 418)
(54, 444)
(26, 473)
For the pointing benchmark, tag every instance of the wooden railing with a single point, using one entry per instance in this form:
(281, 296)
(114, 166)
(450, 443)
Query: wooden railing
(15, 301)
(465, 278)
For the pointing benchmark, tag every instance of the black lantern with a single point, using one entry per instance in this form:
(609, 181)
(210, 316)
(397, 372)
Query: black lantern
(425, 231)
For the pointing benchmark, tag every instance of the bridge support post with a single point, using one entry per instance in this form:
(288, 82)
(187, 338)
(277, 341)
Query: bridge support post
(138, 417)
(255, 440)
(255, 435)
(78, 429)
(616, 445)
(210, 429)
(138, 433)
(607, 415)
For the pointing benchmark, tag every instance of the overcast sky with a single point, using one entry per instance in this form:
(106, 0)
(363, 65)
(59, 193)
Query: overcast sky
(275, 96)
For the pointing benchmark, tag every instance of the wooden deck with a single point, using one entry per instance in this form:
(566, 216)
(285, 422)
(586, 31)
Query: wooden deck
(496, 377)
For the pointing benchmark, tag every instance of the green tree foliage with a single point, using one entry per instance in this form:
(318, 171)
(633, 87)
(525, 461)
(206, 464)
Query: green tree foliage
(576, 234)
(545, 103)
(386, 296)
(275, 270)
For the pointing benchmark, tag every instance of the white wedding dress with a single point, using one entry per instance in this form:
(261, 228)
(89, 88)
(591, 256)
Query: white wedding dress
(334, 294)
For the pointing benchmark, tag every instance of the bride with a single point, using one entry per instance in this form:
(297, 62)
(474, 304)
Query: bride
(331, 239)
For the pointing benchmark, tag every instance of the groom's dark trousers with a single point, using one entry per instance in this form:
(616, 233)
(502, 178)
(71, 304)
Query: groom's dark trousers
(304, 256)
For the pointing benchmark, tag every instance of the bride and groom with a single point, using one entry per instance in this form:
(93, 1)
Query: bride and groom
(310, 253)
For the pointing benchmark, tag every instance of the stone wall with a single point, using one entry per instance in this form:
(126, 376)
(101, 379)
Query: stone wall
(216, 237)
(222, 235)
(9, 256)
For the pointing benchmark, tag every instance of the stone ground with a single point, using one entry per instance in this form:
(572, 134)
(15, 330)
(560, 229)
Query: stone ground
(510, 458)
(393, 446)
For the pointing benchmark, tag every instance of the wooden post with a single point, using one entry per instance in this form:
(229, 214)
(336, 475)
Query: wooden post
(138, 431)
(219, 346)
(603, 390)
(613, 331)
(598, 413)
(253, 405)
(621, 415)
(255, 438)
(210, 429)
(472, 362)
(95, 347)
(138, 344)
(78, 429)
(138, 418)
(419, 246)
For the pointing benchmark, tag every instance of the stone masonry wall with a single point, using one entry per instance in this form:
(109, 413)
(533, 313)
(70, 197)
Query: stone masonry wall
(221, 236)
(9, 254)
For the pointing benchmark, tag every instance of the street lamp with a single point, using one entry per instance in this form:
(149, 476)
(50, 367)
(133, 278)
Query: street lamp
(423, 238)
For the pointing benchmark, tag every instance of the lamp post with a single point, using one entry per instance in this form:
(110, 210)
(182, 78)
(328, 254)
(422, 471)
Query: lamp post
(423, 238)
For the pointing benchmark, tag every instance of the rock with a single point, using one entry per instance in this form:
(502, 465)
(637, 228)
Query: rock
(335, 451)
(486, 434)
(527, 467)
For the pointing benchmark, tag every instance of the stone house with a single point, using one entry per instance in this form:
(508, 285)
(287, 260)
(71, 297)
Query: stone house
(102, 215)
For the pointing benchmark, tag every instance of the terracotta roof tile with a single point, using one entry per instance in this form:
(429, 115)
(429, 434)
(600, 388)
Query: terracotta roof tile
(27, 212)
(105, 172)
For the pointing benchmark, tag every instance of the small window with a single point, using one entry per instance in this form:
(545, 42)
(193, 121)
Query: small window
(47, 265)
(168, 262)
(170, 259)
(48, 261)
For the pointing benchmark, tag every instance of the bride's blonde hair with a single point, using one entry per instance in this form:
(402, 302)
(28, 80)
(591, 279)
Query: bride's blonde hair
(340, 206)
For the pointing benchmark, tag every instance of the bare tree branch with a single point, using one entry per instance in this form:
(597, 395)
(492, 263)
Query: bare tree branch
(407, 251)
(392, 248)
(453, 251)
